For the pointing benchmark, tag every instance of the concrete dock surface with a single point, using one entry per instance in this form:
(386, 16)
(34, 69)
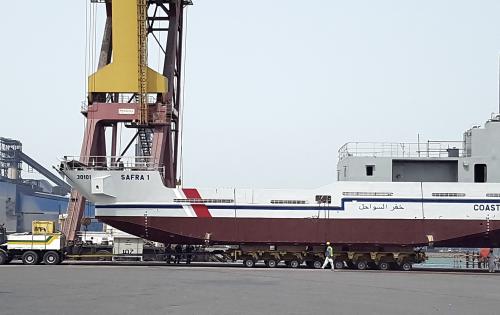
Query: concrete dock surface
(222, 289)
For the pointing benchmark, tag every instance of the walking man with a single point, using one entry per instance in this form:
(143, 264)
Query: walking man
(491, 261)
(189, 255)
(168, 253)
(328, 256)
(178, 254)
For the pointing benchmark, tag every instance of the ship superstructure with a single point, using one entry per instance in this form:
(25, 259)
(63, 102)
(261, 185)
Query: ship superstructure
(473, 159)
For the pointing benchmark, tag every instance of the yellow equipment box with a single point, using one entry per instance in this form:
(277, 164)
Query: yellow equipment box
(43, 227)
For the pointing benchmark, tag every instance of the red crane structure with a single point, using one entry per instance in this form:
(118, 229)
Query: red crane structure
(125, 90)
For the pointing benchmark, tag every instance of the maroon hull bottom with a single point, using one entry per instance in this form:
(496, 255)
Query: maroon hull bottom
(351, 232)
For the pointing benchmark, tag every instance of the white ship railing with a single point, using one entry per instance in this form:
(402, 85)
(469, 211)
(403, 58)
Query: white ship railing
(136, 163)
(431, 149)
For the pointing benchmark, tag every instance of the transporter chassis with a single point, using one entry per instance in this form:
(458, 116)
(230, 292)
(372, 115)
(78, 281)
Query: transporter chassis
(313, 257)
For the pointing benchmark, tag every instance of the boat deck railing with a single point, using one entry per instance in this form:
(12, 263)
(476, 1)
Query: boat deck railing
(429, 149)
(135, 163)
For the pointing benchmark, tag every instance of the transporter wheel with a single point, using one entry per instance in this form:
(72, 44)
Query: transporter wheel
(294, 263)
(249, 262)
(383, 265)
(30, 258)
(406, 266)
(51, 258)
(317, 264)
(361, 265)
(339, 264)
(3, 258)
(271, 263)
(372, 265)
(106, 255)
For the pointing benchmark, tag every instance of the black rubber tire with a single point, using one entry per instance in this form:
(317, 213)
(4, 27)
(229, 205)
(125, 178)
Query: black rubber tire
(271, 263)
(3, 258)
(294, 263)
(383, 265)
(406, 266)
(317, 264)
(361, 265)
(30, 258)
(249, 263)
(9, 259)
(339, 264)
(51, 258)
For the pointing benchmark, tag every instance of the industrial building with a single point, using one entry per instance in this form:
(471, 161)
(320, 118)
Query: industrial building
(23, 200)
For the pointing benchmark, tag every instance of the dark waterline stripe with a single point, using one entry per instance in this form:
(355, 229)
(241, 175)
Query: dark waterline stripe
(301, 208)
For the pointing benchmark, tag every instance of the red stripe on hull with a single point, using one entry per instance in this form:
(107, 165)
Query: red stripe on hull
(449, 233)
(201, 210)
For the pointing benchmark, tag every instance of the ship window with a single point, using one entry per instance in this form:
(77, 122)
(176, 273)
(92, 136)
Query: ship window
(369, 170)
(448, 195)
(198, 200)
(495, 195)
(290, 202)
(366, 193)
(480, 173)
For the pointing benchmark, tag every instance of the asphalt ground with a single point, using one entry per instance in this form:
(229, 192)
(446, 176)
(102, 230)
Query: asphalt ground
(156, 288)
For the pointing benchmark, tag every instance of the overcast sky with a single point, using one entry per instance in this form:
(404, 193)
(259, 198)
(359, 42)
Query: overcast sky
(273, 88)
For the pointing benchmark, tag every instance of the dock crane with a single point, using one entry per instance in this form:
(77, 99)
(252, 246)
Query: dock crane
(125, 90)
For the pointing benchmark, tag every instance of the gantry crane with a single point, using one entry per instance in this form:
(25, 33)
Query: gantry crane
(125, 90)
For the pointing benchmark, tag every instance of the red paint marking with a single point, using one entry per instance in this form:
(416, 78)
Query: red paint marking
(200, 209)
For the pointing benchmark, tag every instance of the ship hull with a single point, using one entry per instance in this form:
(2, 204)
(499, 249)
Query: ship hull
(351, 213)
(349, 232)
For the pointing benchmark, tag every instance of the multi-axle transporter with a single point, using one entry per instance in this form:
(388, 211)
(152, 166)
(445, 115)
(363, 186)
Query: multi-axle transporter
(313, 257)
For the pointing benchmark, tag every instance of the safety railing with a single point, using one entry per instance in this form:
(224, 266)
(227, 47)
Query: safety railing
(461, 260)
(136, 163)
(402, 150)
(472, 261)
(121, 98)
